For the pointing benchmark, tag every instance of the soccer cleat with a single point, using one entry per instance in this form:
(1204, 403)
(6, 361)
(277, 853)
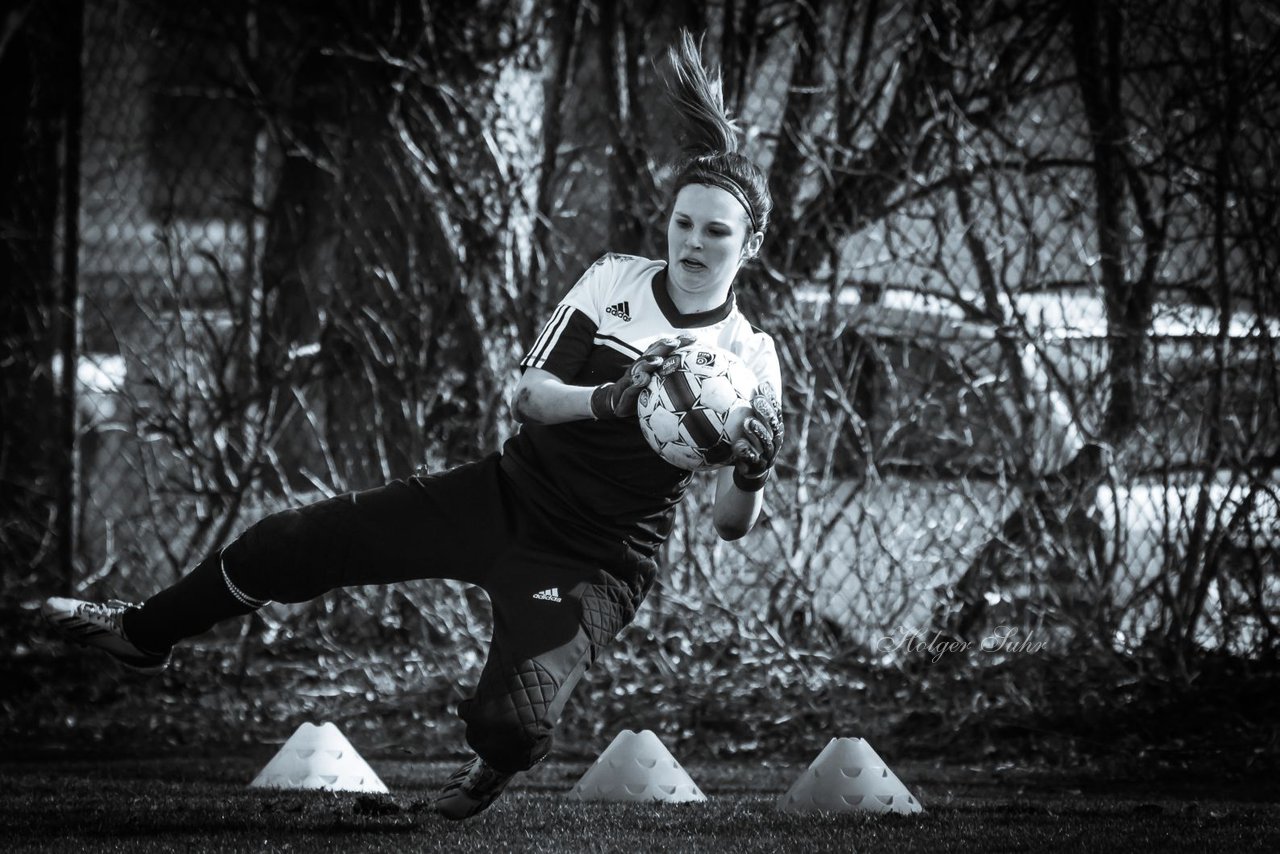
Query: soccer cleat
(471, 789)
(102, 626)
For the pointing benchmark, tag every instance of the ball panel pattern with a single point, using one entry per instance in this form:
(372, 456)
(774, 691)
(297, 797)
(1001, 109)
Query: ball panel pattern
(701, 431)
(684, 415)
(717, 392)
(665, 425)
(680, 391)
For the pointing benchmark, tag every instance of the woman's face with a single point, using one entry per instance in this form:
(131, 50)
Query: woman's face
(707, 238)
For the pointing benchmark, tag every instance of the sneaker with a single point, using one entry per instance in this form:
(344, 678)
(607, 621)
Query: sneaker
(102, 626)
(471, 789)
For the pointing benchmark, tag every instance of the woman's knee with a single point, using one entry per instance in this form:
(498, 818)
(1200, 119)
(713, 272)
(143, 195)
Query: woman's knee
(513, 729)
(281, 557)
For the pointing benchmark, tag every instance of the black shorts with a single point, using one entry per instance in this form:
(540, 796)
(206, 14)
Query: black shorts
(558, 596)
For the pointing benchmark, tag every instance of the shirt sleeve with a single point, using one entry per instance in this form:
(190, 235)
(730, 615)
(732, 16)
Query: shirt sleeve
(762, 358)
(566, 339)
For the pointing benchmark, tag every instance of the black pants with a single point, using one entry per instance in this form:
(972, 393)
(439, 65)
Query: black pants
(557, 597)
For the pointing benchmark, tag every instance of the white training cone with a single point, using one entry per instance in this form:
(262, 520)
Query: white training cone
(636, 767)
(318, 757)
(849, 776)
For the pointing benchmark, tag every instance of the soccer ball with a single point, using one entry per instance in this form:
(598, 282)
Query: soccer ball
(690, 411)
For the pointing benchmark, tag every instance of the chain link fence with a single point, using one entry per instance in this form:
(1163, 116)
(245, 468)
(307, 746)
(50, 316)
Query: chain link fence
(1022, 280)
(969, 467)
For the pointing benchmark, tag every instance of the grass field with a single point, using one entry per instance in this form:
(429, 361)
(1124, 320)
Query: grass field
(203, 805)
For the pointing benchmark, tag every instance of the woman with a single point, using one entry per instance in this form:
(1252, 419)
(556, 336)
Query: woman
(561, 527)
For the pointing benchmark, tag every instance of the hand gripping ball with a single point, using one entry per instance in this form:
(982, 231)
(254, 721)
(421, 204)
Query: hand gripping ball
(693, 408)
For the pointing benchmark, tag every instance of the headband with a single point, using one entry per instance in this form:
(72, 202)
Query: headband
(724, 182)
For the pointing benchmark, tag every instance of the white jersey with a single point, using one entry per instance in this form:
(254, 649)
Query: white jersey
(603, 474)
(619, 296)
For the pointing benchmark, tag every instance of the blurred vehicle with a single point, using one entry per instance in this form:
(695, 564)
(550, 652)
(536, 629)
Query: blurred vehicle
(948, 482)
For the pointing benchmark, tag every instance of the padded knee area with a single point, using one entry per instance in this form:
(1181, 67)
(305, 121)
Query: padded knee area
(512, 729)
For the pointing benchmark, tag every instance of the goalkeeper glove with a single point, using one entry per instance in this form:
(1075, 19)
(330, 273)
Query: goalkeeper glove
(618, 399)
(755, 452)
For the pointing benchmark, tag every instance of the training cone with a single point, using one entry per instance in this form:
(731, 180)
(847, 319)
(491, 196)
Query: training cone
(318, 757)
(849, 776)
(636, 767)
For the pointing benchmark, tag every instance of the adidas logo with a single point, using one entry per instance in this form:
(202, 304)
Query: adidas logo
(622, 310)
(551, 594)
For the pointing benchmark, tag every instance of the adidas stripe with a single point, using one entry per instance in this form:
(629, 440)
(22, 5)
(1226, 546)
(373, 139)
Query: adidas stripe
(616, 344)
(244, 598)
(551, 333)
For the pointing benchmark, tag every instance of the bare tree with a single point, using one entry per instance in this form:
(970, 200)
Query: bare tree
(39, 147)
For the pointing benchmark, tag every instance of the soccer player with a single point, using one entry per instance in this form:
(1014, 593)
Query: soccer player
(561, 527)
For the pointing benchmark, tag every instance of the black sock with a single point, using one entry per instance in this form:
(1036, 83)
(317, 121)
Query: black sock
(192, 606)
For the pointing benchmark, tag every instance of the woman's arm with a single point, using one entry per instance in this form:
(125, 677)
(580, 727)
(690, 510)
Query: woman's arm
(543, 398)
(740, 488)
(735, 511)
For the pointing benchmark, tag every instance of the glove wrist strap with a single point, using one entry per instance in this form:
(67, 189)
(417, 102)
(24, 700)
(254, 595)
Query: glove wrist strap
(602, 403)
(749, 484)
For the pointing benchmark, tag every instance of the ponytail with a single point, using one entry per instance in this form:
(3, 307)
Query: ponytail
(703, 124)
(708, 137)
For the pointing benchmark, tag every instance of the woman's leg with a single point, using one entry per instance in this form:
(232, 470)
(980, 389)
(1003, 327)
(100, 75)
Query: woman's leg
(553, 613)
(450, 525)
(552, 617)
